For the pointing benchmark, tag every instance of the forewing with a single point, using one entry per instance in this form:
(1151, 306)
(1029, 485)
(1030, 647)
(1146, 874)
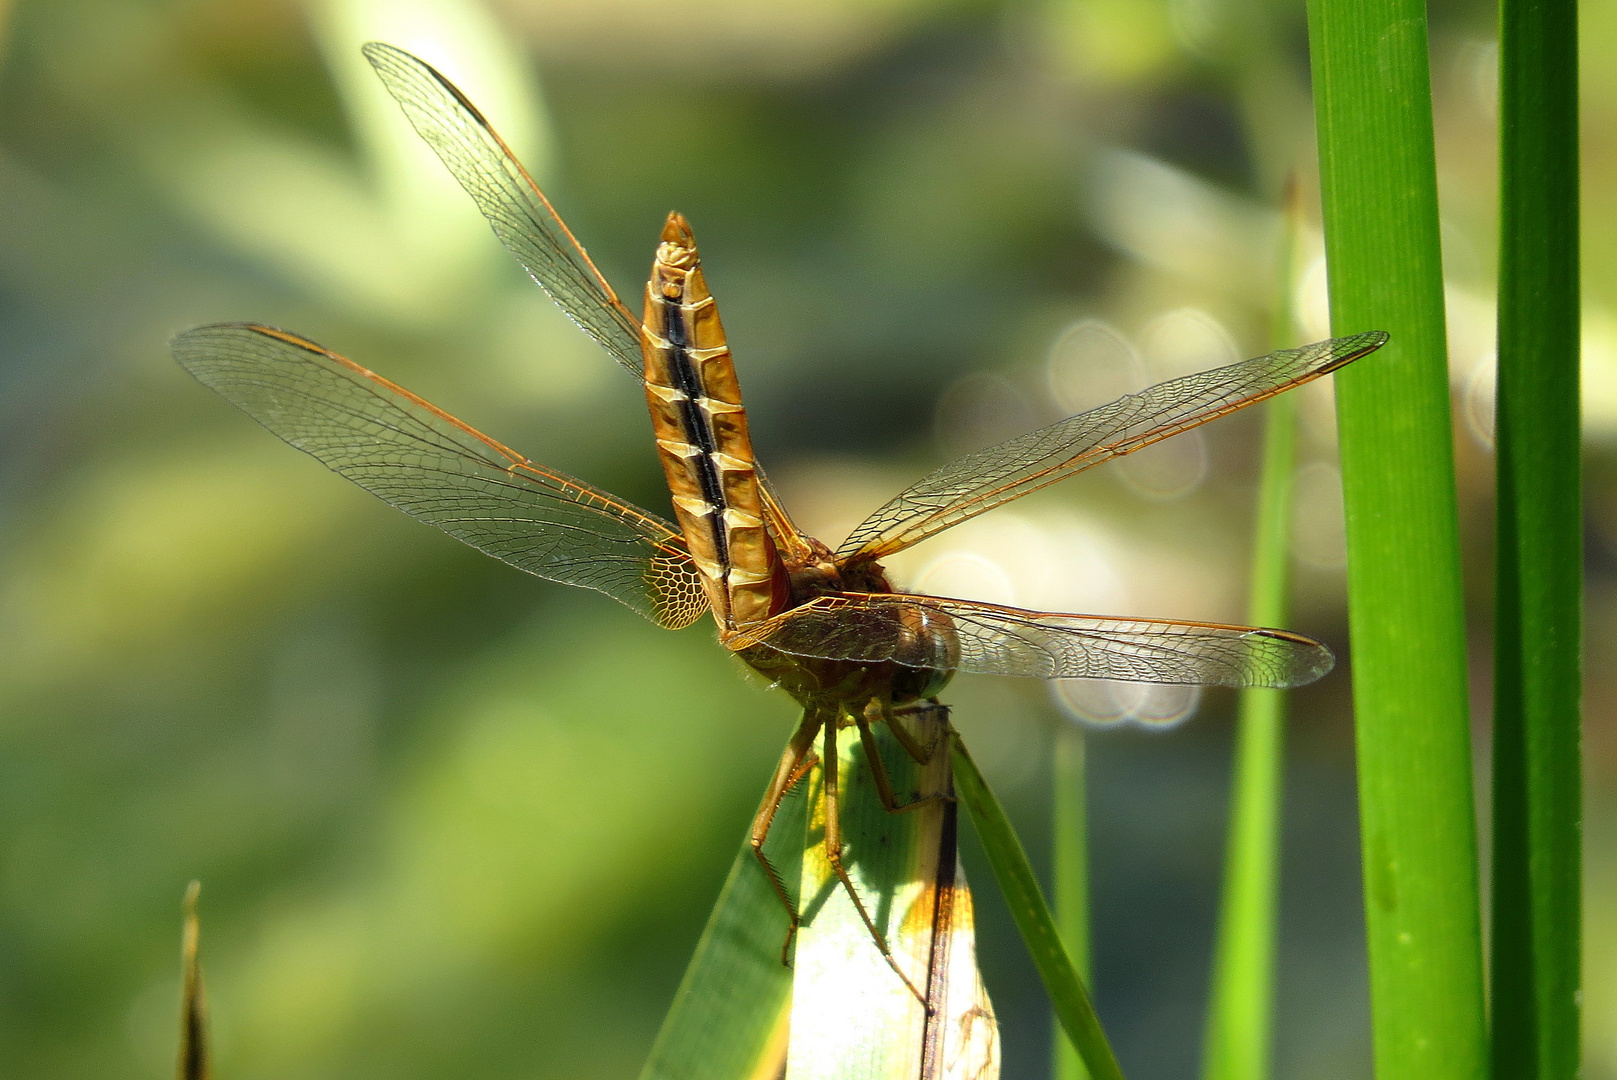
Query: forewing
(516, 209)
(988, 478)
(1046, 645)
(433, 467)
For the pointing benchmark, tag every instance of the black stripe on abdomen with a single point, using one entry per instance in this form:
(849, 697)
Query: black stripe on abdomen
(698, 432)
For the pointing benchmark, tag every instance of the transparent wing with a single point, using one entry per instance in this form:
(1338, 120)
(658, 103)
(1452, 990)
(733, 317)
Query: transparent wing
(430, 465)
(989, 478)
(516, 209)
(1044, 645)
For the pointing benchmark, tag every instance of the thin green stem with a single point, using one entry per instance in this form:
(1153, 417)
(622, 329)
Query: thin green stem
(1239, 1018)
(1038, 927)
(1378, 180)
(1071, 877)
(1240, 1014)
(1537, 789)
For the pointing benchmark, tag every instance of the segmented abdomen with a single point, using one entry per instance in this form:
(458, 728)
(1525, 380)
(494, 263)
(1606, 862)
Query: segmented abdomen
(702, 439)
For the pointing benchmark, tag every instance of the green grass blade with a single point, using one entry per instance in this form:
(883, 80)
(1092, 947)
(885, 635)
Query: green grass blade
(1418, 834)
(1537, 792)
(1038, 927)
(729, 1016)
(1239, 1016)
(1070, 811)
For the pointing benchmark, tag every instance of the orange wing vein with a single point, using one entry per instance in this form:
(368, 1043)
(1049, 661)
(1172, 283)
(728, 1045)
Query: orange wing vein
(524, 220)
(415, 456)
(516, 209)
(992, 477)
(998, 640)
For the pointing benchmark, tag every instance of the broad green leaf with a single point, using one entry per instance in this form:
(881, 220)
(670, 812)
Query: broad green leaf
(729, 1017)
(1538, 682)
(1378, 181)
(853, 1016)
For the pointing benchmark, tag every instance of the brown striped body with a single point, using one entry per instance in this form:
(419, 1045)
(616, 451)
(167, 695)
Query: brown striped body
(701, 430)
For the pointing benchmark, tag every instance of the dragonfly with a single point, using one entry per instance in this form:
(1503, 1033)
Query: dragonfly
(826, 625)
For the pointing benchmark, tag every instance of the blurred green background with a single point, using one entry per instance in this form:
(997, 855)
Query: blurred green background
(455, 821)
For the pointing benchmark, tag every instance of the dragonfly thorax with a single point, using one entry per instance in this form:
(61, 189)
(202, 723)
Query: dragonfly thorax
(908, 654)
(927, 652)
(813, 574)
(818, 573)
(902, 654)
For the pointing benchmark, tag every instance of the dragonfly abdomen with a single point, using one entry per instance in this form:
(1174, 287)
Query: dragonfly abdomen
(702, 437)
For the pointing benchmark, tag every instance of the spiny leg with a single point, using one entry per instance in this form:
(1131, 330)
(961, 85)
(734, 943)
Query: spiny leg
(922, 755)
(878, 768)
(795, 762)
(833, 855)
(804, 767)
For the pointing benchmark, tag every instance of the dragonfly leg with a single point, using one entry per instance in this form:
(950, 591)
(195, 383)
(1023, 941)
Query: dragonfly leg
(878, 769)
(804, 767)
(833, 855)
(795, 762)
(922, 755)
